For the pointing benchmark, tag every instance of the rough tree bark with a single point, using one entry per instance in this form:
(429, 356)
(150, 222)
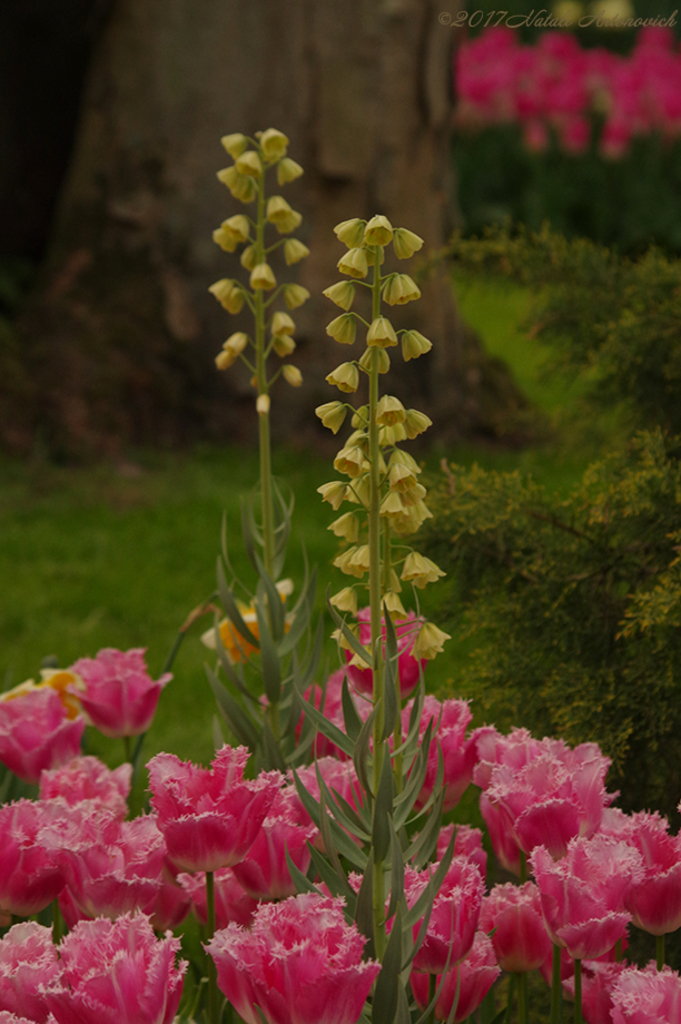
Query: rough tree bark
(123, 334)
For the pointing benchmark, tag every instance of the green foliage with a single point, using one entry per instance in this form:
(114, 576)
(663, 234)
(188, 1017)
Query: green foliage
(612, 320)
(576, 606)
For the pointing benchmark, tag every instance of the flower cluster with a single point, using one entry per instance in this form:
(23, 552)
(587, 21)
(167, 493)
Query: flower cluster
(556, 86)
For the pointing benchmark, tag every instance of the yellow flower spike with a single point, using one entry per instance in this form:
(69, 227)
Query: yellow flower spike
(282, 323)
(294, 251)
(285, 225)
(395, 584)
(248, 257)
(429, 641)
(401, 478)
(292, 375)
(339, 637)
(360, 560)
(416, 423)
(343, 294)
(394, 605)
(406, 243)
(390, 411)
(288, 170)
(388, 436)
(345, 600)
(239, 226)
(413, 495)
(277, 209)
(225, 359)
(343, 560)
(345, 377)
(295, 295)
(419, 570)
(262, 278)
(347, 527)
(392, 505)
(283, 344)
(370, 252)
(241, 186)
(360, 438)
(401, 289)
(354, 263)
(236, 342)
(229, 294)
(343, 329)
(383, 359)
(249, 164)
(225, 240)
(332, 415)
(235, 144)
(381, 333)
(359, 491)
(414, 345)
(359, 417)
(273, 144)
(350, 232)
(349, 461)
(262, 405)
(405, 459)
(334, 492)
(379, 231)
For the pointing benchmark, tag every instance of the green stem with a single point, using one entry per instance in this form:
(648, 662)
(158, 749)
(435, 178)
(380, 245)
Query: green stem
(556, 989)
(432, 989)
(523, 867)
(128, 749)
(212, 969)
(522, 998)
(57, 923)
(659, 949)
(578, 992)
(619, 951)
(261, 375)
(509, 999)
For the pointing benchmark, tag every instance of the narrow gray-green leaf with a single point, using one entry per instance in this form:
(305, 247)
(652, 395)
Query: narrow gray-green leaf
(271, 669)
(364, 910)
(383, 809)
(236, 718)
(396, 871)
(348, 635)
(360, 756)
(231, 609)
(384, 1006)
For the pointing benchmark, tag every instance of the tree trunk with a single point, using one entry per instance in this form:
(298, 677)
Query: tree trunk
(123, 333)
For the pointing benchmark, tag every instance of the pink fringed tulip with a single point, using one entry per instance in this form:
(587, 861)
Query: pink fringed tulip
(263, 872)
(340, 778)
(36, 733)
(646, 996)
(117, 972)
(10, 1018)
(598, 979)
(406, 631)
(467, 843)
(539, 793)
(300, 963)
(88, 778)
(120, 697)
(458, 753)
(28, 961)
(210, 817)
(583, 895)
(454, 916)
(473, 978)
(232, 904)
(173, 903)
(30, 877)
(513, 914)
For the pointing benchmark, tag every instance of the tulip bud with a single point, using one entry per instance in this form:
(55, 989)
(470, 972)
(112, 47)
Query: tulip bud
(292, 375)
(262, 277)
(346, 526)
(429, 641)
(342, 294)
(381, 333)
(295, 295)
(294, 251)
(343, 329)
(414, 345)
(235, 144)
(345, 377)
(401, 289)
(419, 570)
(333, 492)
(283, 344)
(332, 415)
(389, 411)
(350, 232)
(262, 404)
(249, 164)
(288, 170)
(350, 461)
(273, 144)
(277, 209)
(379, 231)
(367, 359)
(406, 243)
(345, 600)
(282, 323)
(229, 294)
(353, 263)
(416, 423)
(248, 257)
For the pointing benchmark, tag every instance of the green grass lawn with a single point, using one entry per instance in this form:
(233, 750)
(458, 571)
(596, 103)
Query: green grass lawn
(108, 557)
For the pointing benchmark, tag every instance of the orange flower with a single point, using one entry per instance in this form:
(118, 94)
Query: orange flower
(237, 647)
(57, 679)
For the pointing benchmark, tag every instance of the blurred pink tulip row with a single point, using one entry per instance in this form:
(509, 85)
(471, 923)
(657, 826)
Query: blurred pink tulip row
(556, 85)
